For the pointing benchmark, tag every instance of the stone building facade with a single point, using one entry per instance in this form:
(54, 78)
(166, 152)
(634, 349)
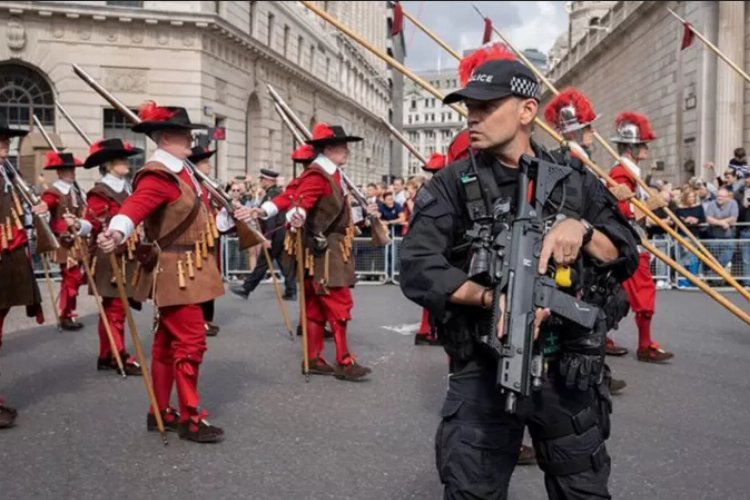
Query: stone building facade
(213, 58)
(699, 107)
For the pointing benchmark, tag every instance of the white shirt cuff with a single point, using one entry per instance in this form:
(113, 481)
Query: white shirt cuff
(297, 210)
(223, 221)
(270, 209)
(123, 224)
(86, 228)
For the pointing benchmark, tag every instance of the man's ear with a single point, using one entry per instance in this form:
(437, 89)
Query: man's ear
(529, 108)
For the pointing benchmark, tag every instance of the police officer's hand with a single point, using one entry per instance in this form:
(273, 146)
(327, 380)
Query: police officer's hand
(563, 243)
(540, 316)
(109, 240)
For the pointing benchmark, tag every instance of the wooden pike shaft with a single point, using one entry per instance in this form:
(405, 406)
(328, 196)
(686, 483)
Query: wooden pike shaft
(302, 306)
(277, 289)
(53, 302)
(607, 146)
(595, 168)
(400, 138)
(137, 346)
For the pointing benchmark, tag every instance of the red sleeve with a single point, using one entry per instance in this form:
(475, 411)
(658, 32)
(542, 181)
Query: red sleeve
(50, 199)
(621, 176)
(99, 210)
(304, 192)
(151, 191)
(57, 225)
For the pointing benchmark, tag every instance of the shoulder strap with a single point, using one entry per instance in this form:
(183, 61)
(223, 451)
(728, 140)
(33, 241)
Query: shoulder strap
(175, 233)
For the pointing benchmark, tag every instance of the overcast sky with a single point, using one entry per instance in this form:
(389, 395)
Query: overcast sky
(525, 24)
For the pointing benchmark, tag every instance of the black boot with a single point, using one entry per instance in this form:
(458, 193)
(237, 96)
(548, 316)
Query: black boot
(7, 416)
(239, 291)
(132, 369)
(211, 329)
(70, 324)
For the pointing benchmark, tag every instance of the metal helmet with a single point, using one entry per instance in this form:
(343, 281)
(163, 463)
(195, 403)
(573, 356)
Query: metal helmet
(569, 111)
(633, 128)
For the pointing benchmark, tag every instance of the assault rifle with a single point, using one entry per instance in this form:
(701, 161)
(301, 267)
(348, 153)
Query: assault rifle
(518, 245)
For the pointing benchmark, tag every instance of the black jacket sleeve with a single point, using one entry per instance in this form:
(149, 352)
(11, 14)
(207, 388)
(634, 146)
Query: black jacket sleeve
(600, 209)
(427, 276)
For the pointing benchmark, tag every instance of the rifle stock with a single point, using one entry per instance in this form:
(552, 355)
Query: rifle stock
(46, 239)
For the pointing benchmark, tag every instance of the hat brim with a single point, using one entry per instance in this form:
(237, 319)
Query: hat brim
(476, 94)
(201, 156)
(333, 140)
(620, 140)
(105, 155)
(148, 127)
(13, 132)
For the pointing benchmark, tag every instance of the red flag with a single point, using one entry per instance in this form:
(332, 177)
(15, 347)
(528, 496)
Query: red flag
(487, 36)
(398, 19)
(687, 36)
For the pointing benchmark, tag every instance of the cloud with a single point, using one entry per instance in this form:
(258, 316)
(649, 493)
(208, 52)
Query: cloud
(526, 24)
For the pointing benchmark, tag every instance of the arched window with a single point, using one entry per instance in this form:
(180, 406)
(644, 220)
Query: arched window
(23, 92)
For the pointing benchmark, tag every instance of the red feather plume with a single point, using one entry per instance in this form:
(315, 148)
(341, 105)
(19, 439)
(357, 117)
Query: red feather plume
(150, 112)
(569, 96)
(321, 131)
(95, 148)
(459, 147)
(644, 126)
(435, 162)
(52, 158)
(304, 152)
(491, 52)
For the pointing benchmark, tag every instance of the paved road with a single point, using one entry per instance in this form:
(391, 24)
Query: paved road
(680, 431)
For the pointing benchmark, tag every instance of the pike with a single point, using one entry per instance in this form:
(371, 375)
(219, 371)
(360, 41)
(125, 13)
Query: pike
(87, 269)
(380, 236)
(128, 311)
(248, 236)
(590, 164)
(711, 46)
(607, 146)
(400, 138)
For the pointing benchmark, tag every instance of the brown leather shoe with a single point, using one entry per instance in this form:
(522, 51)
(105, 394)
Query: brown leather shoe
(350, 370)
(7, 416)
(527, 455)
(612, 349)
(70, 324)
(318, 367)
(654, 354)
(200, 432)
(170, 417)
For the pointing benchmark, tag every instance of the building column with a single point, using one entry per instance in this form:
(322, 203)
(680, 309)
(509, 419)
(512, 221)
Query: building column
(729, 85)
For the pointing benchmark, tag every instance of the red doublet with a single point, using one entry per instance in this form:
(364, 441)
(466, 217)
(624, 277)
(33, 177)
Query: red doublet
(180, 339)
(621, 175)
(335, 307)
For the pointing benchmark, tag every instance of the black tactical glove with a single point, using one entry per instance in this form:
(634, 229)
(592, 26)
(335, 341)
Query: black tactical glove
(582, 358)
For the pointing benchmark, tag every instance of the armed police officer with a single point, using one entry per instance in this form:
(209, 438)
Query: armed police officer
(463, 219)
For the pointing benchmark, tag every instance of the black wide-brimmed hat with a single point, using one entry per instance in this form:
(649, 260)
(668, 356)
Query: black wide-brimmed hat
(155, 118)
(324, 134)
(108, 150)
(7, 131)
(199, 153)
(57, 161)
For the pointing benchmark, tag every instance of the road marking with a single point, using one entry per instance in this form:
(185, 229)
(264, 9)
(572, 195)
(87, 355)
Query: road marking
(403, 329)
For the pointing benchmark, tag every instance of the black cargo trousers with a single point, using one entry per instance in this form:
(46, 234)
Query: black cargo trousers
(477, 442)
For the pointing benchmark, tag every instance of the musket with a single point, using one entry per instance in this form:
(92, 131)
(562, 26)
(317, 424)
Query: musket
(707, 258)
(379, 233)
(247, 235)
(607, 146)
(400, 138)
(590, 164)
(122, 292)
(87, 268)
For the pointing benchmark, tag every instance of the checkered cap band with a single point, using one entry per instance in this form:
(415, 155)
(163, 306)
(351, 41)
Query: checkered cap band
(524, 87)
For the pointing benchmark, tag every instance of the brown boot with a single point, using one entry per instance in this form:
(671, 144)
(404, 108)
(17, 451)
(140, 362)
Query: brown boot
(612, 349)
(200, 432)
(654, 354)
(350, 370)
(7, 416)
(70, 324)
(170, 417)
(211, 329)
(527, 455)
(318, 366)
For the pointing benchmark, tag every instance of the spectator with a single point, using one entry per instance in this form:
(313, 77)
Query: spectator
(733, 179)
(653, 230)
(372, 193)
(704, 195)
(399, 195)
(691, 213)
(742, 197)
(739, 162)
(721, 215)
(412, 185)
(381, 190)
(391, 213)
